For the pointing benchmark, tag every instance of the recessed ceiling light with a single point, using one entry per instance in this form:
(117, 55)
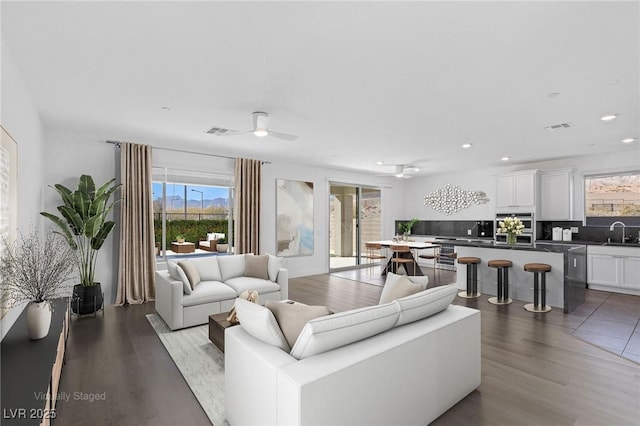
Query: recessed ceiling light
(553, 95)
(379, 163)
(608, 117)
(628, 140)
(506, 158)
(466, 145)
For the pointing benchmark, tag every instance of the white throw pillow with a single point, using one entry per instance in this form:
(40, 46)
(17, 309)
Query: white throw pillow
(259, 322)
(425, 303)
(274, 266)
(186, 285)
(173, 270)
(333, 331)
(397, 286)
(231, 266)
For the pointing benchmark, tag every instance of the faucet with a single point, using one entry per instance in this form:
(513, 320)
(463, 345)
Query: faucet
(623, 228)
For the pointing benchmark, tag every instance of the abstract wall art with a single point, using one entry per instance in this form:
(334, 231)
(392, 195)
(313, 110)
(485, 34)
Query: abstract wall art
(294, 218)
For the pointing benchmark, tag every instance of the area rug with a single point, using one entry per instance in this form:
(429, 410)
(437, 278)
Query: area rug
(200, 363)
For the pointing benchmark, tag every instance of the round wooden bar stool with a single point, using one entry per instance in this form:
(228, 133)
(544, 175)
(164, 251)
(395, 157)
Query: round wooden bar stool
(539, 287)
(502, 266)
(472, 277)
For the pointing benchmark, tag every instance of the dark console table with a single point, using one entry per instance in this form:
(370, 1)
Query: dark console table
(31, 369)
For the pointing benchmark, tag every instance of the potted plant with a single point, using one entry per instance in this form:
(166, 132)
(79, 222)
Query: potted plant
(180, 239)
(36, 272)
(222, 245)
(405, 228)
(85, 226)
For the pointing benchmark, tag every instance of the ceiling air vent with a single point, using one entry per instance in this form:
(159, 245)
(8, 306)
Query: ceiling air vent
(219, 131)
(558, 126)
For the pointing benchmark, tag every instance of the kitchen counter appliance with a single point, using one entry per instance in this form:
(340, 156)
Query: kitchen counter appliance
(528, 233)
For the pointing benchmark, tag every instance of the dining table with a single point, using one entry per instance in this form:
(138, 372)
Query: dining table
(413, 245)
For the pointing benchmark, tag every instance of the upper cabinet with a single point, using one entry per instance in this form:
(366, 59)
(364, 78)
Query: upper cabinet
(556, 195)
(516, 191)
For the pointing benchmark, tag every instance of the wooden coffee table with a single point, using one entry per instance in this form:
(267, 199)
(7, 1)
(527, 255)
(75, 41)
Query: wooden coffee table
(183, 247)
(217, 325)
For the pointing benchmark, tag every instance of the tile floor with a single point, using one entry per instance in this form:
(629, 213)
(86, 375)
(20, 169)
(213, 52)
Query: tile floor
(607, 320)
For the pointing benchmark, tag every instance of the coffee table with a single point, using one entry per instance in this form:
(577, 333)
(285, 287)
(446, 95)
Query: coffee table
(183, 247)
(217, 325)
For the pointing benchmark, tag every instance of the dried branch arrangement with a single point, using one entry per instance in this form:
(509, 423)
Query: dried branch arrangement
(35, 271)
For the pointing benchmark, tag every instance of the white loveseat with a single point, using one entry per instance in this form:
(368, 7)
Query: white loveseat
(222, 280)
(409, 374)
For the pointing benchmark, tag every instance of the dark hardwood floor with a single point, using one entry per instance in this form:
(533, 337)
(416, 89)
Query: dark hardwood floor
(533, 371)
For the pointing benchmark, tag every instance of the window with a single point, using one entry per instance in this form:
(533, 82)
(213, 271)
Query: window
(189, 205)
(612, 196)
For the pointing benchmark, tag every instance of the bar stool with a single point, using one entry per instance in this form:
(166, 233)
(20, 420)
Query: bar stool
(539, 301)
(472, 277)
(396, 260)
(373, 253)
(502, 266)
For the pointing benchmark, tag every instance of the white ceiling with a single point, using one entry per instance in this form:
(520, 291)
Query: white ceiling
(359, 82)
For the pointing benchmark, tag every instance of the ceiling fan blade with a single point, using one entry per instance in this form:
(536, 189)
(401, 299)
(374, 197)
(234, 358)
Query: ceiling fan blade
(284, 136)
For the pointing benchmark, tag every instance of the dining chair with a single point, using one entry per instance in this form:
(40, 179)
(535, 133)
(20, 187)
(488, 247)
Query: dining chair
(373, 253)
(396, 259)
(434, 256)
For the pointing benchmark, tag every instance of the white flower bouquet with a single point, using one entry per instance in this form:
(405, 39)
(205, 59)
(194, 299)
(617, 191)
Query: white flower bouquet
(511, 226)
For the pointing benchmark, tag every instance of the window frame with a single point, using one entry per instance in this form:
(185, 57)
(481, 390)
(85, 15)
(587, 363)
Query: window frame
(606, 221)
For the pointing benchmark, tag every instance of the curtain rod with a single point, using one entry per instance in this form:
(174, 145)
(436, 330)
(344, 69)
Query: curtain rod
(118, 143)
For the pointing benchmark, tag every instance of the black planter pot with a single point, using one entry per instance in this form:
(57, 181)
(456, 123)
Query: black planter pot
(86, 300)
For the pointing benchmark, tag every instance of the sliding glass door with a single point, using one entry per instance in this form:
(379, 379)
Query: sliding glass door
(354, 219)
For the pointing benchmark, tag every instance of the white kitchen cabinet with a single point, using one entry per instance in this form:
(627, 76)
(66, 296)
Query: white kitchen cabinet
(516, 191)
(613, 268)
(555, 201)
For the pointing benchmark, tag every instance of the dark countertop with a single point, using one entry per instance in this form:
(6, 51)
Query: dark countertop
(488, 242)
(538, 246)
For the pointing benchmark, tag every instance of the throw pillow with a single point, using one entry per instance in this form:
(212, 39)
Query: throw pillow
(186, 285)
(256, 266)
(425, 303)
(260, 323)
(173, 270)
(292, 317)
(191, 272)
(332, 331)
(275, 263)
(397, 286)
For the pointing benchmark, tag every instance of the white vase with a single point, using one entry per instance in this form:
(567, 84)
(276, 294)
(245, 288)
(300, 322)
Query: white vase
(38, 319)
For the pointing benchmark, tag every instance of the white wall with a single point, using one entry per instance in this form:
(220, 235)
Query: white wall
(21, 120)
(483, 180)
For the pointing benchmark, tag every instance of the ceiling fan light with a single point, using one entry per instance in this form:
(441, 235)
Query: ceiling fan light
(261, 132)
(399, 175)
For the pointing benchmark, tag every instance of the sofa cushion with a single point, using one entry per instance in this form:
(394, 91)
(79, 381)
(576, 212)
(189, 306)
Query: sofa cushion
(208, 292)
(214, 236)
(208, 268)
(397, 286)
(231, 266)
(259, 322)
(425, 303)
(191, 272)
(333, 331)
(240, 284)
(274, 265)
(256, 266)
(292, 317)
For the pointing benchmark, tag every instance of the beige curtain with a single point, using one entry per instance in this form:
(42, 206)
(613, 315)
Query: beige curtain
(137, 248)
(247, 206)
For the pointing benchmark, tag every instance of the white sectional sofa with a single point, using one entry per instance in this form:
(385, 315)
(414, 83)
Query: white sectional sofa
(426, 359)
(222, 279)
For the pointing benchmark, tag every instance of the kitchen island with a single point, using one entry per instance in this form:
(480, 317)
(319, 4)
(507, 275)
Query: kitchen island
(566, 282)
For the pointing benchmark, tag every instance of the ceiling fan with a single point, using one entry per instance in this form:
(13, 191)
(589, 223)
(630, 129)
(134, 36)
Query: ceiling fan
(402, 171)
(260, 129)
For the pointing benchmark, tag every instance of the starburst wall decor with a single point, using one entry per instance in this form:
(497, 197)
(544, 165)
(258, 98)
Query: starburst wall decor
(452, 198)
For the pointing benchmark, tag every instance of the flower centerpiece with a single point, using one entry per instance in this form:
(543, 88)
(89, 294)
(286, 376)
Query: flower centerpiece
(36, 272)
(511, 226)
(405, 228)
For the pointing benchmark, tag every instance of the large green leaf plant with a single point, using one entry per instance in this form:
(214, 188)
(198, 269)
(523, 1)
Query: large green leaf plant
(84, 221)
